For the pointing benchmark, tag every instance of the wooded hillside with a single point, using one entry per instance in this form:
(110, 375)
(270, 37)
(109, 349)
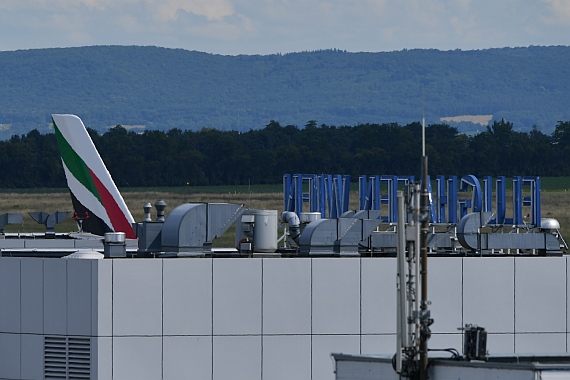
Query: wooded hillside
(161, 89)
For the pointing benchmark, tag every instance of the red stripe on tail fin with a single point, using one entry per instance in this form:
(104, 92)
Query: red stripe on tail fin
(116, 215)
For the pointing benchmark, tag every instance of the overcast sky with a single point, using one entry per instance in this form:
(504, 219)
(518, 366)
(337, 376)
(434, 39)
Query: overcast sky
(283, 26)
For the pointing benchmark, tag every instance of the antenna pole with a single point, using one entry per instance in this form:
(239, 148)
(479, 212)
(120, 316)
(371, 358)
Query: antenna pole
(411, 359)
(425, 320)
(423, 133)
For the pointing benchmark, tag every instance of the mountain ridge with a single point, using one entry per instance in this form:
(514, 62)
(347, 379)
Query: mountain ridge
(161, 88)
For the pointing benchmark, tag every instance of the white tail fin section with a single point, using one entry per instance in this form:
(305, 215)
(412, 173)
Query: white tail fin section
(96, 198)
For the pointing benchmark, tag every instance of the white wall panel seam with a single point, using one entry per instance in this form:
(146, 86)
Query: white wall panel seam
(513, 263)
(311, 350)
(162, 320)
(462, 294)
(261, 319)
(21, 335)
(112, 318)
(212, 317)
(360, 304)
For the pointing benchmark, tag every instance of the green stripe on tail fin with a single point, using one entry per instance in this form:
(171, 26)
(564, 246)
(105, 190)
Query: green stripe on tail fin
(88, 178)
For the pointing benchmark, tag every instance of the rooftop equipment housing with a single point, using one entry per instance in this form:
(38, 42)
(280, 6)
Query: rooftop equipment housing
(191, 227)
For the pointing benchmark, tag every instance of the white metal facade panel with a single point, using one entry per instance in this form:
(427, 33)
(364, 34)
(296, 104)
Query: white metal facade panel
(540, 343)
(489, 293)
(136, 357)
(378, 344)
(46, 243)
(32, 359)
(286, 296)
(187, 356)
(237, 296)
(237, 357)
(364, 370)
(12, 243)
(79, 297)
(253, 330)
(336, 296)
(500, 343)
(554, 375)
(567, 295)
(10, 295)
(83, 244)
(442, 341)
(540, 294)
(470, 373)
(378, 288)
(323, 346)
(137, 297)
(187, 297)
(286, 357)
(10, 356)
(55, 296)
(102, 357)
(102, 297)
(445, 294)
(32, 295)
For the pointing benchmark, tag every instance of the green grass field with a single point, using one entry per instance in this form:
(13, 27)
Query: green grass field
(547, 184)
(555, 183)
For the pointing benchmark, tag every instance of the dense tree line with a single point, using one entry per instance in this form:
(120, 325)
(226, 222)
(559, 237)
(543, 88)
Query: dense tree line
(214, 157)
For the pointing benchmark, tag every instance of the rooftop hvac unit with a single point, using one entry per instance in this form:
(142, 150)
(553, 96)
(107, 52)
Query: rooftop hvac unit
(258, 227)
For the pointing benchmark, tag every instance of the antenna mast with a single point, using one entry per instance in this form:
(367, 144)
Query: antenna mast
(411, 359)
(425, 320)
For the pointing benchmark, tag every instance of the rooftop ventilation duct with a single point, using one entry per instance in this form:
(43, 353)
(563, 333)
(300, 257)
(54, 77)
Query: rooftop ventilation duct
(191, 227)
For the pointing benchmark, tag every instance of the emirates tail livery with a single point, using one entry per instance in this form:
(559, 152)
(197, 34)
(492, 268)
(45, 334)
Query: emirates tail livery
(96, 199)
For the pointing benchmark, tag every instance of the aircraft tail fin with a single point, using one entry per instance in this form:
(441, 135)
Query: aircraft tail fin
(96, 199)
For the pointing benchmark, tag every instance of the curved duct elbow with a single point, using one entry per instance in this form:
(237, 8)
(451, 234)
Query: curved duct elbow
(294, 223)
(290, 218)
(468, 230)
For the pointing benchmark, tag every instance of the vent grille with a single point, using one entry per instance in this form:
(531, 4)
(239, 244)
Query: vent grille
(67, 358)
